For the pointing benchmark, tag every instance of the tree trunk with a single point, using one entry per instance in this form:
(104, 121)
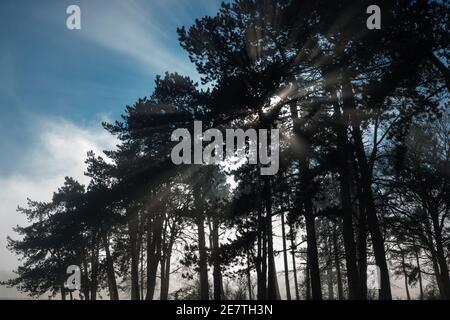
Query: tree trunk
(294, 267)
(166, 260)
(366, 181)
(273, 292)
(419, 271)
(330, 258)
(94, 267)
(313, 257)
(337, 264)
(362, 233)
(165, 281)
(344, 152)
(286, 266)
(110, 273)
(201, 238)
(434, 261)
(443, 267)
(217, 273)
(154, 231)
(307, 281)
(163, 258)
(362, 250)
(85, 278)
(305, 182)
(405, 274)
(63, 292)
(264, 258)
(141, 249)
(249, 278)
(330, 281)
(203, 263)
(261, 254)
(134, 252)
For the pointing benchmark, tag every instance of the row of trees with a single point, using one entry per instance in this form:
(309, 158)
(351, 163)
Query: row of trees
(363, 179)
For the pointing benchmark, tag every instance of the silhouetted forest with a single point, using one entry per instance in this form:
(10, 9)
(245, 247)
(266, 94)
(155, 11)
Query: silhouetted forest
(363, 180)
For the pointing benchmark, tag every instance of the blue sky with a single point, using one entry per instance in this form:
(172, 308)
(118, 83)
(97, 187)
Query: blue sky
(84, 75)
(57, 85)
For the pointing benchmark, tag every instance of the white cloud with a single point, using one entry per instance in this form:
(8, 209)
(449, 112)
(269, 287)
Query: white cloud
(59, 150)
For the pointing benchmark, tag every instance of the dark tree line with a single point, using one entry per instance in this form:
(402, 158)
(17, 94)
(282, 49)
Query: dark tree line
(363, 179)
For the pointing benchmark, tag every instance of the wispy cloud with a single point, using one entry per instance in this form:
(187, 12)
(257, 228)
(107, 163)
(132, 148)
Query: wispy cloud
(138, 32)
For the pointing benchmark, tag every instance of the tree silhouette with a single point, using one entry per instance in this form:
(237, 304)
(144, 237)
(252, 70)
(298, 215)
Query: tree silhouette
(363, 177)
